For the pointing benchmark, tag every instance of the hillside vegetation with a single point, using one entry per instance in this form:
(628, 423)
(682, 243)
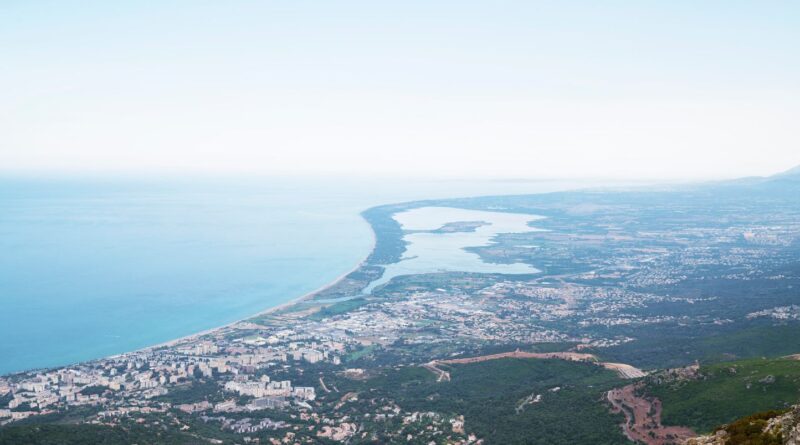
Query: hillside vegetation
(497, 397)
(724, 392)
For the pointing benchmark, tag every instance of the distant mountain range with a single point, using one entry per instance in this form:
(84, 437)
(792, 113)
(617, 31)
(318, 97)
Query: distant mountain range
(784, 185)
(791, 174)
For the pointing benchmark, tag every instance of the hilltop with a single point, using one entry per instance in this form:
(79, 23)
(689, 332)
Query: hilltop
(765, 428)
(791, 173)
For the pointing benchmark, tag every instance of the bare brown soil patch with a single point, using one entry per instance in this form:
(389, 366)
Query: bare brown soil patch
(574, 356)
(643, 418)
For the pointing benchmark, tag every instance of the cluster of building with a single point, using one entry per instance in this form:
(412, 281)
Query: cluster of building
(246, 425)
(791, 312)
(499, 311)
(264, 389)
(133, 383)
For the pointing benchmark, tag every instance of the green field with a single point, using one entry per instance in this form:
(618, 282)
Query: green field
(339, 308)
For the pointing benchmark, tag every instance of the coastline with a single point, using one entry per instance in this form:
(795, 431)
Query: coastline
(305, 297)
(270, 310)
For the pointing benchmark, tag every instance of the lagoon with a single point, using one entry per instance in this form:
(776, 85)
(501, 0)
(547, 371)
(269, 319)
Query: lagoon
(436, 244)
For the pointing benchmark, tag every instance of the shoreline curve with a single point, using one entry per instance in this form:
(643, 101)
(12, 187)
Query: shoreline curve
(175, 341)
(305, 297)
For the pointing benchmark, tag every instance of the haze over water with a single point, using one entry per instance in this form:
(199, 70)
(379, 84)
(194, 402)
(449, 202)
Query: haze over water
(91, 268)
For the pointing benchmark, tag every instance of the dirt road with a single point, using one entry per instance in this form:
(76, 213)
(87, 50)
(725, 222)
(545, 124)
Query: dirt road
(624, 371)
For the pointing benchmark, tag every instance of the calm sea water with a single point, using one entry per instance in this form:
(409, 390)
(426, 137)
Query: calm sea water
(90, 268)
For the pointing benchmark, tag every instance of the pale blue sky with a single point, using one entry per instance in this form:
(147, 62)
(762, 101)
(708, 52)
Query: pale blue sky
(667, 89)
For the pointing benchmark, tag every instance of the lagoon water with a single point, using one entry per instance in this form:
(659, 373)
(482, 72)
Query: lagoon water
(429, 252)
(92, 267)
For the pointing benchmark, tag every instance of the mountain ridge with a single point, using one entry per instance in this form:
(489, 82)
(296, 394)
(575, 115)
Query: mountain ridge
(793, 172)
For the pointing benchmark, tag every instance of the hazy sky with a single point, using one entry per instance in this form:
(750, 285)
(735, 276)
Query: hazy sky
(523, 89)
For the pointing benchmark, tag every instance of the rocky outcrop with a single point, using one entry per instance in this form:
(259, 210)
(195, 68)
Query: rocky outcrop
(719, 438)
(788, 425)
(775, 428)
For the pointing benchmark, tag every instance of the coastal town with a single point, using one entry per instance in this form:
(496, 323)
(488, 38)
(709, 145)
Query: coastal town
(524, 222)
(278, 362)
(329, 368)
(247, 366)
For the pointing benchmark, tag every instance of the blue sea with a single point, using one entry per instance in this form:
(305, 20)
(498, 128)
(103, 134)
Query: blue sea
(96, 267)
